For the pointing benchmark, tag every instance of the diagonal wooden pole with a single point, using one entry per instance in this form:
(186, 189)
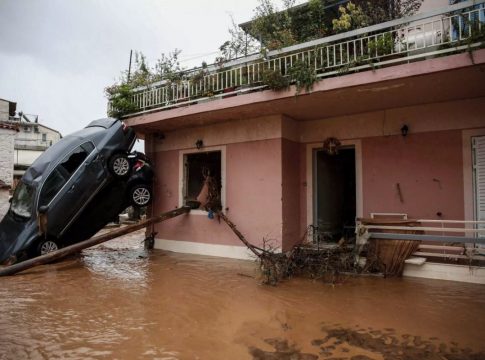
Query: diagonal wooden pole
(241, 237)
(61, 253)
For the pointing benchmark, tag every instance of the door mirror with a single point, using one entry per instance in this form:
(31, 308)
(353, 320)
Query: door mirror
(10, 199)
(43, 209)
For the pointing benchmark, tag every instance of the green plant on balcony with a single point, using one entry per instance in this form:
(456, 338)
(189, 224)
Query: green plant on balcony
(302, 75)
(381, 45)
(198, 77)
(276, 28)
(351, 17)
(120, 100)
(120, 94)
(274, 79)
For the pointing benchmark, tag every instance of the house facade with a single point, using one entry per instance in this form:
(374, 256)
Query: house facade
(31, 141)
(401, 135)
(8, 132)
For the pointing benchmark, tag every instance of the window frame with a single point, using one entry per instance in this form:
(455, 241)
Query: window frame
(182, 175)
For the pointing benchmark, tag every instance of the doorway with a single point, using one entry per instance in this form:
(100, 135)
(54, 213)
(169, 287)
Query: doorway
(334, 194)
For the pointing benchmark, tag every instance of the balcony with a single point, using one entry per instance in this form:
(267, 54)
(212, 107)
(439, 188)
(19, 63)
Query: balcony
(454, 29)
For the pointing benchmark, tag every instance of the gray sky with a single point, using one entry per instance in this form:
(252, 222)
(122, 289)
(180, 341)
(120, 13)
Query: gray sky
(57, 56)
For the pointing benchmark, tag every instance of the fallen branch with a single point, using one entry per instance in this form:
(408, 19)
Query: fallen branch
(241, 237)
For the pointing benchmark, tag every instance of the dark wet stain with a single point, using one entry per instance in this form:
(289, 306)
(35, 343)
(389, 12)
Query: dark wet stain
(283, 351)
(390, 347)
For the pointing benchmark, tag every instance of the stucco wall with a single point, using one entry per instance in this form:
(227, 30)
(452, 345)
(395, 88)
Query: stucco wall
(428, 168)
(253, 196)
(292, 187)
(268, 169)
(433, 149)
(6, 155)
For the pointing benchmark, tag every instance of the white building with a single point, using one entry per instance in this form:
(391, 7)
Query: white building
(8, 131)
(31, 139)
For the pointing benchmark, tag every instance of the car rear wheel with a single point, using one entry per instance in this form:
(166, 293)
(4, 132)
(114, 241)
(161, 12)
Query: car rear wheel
(119, 165)
(140, 195)
(46, 246)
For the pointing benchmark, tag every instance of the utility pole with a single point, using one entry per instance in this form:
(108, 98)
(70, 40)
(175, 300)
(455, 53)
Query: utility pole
(129, 66)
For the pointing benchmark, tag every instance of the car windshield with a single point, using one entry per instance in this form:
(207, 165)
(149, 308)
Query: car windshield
(22, 200)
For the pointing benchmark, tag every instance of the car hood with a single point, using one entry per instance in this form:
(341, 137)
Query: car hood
(15, 235)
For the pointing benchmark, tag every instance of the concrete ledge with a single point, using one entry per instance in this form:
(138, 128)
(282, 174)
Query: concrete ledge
(188, 247)
(463, 273)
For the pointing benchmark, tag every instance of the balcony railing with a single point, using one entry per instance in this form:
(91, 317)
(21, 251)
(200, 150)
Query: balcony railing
(456, 28)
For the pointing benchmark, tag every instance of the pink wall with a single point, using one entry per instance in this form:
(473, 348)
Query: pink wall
(292, 187)
(428, 167)
(253, 196)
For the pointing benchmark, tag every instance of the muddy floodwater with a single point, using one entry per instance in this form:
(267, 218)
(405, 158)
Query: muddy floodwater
(119, 302)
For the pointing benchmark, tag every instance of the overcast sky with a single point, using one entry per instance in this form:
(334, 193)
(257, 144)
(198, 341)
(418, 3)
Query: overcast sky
(57, 56)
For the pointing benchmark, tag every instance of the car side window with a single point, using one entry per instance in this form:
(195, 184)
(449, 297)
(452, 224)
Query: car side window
(52, 185)
(75, 159)
(61, 174)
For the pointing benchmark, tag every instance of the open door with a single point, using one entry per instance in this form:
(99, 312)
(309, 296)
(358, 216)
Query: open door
(335, 194)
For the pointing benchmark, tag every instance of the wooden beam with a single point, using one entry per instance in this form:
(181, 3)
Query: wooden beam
(68, 250)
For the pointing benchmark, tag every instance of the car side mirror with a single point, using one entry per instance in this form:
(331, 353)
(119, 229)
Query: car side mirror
(43, 209)
(10, 199)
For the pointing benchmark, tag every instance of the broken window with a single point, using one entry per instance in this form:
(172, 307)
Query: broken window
(202, 179)
(61, 174)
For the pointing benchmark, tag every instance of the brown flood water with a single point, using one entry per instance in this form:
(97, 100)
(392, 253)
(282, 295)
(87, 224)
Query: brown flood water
(119, 302)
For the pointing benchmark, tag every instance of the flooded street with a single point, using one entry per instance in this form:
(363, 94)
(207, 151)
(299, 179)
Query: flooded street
(118, 302)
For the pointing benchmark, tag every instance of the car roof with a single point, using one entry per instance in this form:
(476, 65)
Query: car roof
(104, 123)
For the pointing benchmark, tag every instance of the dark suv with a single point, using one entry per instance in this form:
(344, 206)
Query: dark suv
(74, 189)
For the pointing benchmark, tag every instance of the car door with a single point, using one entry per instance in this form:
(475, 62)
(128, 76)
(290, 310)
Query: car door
(70, 187)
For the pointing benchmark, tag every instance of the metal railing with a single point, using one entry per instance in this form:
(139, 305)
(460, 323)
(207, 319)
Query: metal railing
(452, 29)
(465, 238)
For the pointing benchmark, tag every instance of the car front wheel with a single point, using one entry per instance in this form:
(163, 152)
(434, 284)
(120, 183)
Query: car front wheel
(119, 165)
(46, 246)
(140, 195)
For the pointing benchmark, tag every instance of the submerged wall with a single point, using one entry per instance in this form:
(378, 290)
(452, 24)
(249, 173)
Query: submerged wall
(268, 182)
(251, 185)
(432, 164)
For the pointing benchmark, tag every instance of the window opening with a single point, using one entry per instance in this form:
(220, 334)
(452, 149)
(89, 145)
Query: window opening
(202, 179)
(61, 174)
(52, 185)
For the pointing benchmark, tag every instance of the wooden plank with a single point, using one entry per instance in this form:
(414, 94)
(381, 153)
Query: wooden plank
(61, 253)
(442, 247)
(425, 228)
(450, 256)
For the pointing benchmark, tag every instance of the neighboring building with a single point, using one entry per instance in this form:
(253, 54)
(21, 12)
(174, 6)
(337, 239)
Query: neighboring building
(31, 141)
(31, 138)
(8, 131)
(411, 129)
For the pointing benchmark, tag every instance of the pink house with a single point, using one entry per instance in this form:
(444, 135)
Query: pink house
(410, 129)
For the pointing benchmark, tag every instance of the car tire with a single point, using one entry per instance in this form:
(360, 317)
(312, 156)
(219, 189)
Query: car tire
(119, 165)
(140, 195)
(46, 246)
